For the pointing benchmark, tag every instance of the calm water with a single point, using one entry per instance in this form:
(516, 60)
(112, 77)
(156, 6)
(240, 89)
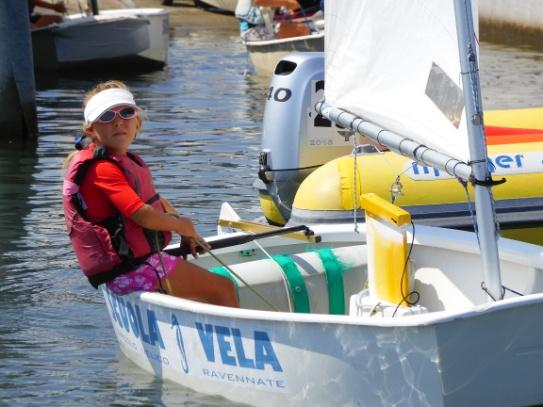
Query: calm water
(57, 346)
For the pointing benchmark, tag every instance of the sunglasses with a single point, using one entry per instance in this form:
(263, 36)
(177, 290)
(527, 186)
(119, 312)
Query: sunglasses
(108, 116)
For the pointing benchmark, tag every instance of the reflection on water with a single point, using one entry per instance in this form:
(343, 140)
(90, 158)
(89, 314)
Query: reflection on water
(511, 78)
(16, 169)
(201, 140)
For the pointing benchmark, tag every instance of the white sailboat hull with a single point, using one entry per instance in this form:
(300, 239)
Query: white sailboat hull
(122, 37)
(460, 351)
(265, 54)
(226, 5)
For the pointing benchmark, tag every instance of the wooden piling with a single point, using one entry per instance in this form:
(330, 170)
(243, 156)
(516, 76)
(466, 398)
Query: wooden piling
(18, 122)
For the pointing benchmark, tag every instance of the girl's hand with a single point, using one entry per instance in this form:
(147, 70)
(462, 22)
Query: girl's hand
(200, 241)
(195, 244)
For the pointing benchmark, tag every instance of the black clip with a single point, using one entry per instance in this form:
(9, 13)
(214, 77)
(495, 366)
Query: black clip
(489, 182)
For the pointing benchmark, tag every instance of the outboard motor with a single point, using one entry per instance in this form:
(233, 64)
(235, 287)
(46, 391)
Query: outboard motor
(296, 139)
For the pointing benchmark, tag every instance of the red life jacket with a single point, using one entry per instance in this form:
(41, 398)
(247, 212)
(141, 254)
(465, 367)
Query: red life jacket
(115, 246)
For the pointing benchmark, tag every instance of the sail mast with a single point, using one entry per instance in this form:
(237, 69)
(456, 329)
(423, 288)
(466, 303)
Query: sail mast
(484, 203)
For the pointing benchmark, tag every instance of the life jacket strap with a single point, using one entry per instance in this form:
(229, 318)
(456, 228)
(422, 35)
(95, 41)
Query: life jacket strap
(115, 227)
(155, 239)
(110, 275)
(154, 198)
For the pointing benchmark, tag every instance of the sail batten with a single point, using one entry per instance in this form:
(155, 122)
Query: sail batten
(397, 64)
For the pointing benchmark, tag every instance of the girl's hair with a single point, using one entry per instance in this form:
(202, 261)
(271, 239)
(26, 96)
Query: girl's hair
(112, 84)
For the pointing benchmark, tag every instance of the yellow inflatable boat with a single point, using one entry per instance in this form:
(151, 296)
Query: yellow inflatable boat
(515, 139)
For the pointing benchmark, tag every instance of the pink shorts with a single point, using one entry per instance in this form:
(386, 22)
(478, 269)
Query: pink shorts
(145, 277)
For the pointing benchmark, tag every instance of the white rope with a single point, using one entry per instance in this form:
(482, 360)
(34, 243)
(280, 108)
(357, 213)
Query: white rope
(283, 276)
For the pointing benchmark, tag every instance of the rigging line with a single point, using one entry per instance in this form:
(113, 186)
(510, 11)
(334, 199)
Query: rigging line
(283, 277)
(394, 193)
(389, 165)
(165, 274)
(453, 170)
(473, 73)
(472, 214)
(160, 287)
(405, 297)
(473, 67)
(487, 291)
(513, 291)
(495, 214)
(249, 286)
(470, 208)
(476, 230)
(355, 189)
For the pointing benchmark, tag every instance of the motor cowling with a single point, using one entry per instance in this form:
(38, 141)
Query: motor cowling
(296, 138)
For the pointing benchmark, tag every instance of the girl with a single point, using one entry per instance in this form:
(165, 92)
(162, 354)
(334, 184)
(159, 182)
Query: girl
(117, 222)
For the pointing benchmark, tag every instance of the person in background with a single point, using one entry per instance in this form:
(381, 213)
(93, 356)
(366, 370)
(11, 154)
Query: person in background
(252, 22)
(118, 224)
(42, 20)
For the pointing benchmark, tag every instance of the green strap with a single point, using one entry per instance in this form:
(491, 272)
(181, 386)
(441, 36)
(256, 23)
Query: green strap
(334, 276)
(223, 271)
(296, 284)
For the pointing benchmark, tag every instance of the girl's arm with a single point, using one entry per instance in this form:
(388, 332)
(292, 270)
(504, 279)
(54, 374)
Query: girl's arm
(154, 219)
(151, 218)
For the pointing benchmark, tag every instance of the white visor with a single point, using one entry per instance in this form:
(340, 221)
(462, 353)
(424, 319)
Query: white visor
(105, 100)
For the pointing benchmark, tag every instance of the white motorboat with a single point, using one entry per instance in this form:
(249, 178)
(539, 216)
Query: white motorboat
(120, 37)
(379, 313)
(265, 54)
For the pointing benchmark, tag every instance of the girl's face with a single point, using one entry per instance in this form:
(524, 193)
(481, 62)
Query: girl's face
(118, 133)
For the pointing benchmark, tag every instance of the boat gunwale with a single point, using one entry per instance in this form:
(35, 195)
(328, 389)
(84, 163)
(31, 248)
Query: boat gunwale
(419, 320)
(522, 253)
(261, 43)
(151, 11)
(122, 12)
(105, 17)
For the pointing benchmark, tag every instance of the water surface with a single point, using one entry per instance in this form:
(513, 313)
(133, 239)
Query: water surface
(201, 140)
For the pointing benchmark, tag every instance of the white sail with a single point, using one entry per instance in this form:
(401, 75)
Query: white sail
(396, 63)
